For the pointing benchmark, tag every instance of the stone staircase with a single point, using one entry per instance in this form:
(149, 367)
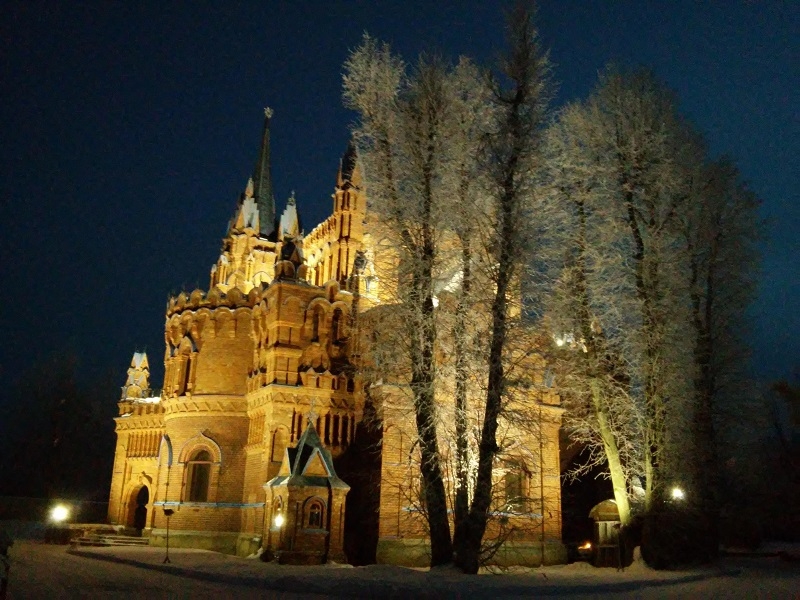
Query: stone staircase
(107, 539)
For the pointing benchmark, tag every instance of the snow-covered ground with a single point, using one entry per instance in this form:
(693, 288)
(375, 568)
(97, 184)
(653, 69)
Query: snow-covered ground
(40, 571)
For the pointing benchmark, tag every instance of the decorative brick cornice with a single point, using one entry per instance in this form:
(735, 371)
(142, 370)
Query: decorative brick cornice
(218, 406)
(134, 422)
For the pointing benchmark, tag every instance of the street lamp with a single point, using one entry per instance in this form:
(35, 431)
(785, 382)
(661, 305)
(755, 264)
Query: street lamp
(59, 513)
(678, 493)
(168, 512)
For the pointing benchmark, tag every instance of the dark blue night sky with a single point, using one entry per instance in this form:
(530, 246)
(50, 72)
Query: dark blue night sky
(128, 131)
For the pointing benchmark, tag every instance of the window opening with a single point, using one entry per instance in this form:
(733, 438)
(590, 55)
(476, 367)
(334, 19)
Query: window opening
(336, 325)
(315, 515)
(199, 476)
(513, 483)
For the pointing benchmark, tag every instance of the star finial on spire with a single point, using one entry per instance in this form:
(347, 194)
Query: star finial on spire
(268, 112)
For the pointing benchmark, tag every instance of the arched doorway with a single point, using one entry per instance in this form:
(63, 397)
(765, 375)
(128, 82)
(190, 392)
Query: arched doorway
(137, 508)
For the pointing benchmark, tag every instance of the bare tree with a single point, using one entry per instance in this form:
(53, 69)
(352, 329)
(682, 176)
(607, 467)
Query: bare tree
(721, 228)
(621, 295)
(511, 161)
(414, 142)
(656, 269)
(593, 374)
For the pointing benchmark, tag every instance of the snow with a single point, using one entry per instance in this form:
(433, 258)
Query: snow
(250, 213)
(151, 400)
(394, 581)
(87, 572)
(138, 357)
(290, 222)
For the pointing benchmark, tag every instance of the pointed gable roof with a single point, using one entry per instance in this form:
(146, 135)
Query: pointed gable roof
(308, 463)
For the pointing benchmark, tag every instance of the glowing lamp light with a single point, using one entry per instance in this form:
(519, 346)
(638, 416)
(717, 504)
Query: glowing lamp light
(678, 494)
(586, 546)
(59, 513)
(279, 520)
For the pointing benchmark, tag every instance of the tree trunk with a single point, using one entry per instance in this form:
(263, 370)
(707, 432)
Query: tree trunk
(595, 347)
(468, 551)
(422, 383)
(461, 506)
(618, 479)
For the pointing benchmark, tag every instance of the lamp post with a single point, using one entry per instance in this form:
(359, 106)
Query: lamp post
(168, 512)
(55, 532)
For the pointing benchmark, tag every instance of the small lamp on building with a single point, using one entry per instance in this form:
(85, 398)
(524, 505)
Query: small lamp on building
(168, 512)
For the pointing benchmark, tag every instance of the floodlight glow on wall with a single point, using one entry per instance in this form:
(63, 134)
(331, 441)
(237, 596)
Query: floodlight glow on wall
(279, 520)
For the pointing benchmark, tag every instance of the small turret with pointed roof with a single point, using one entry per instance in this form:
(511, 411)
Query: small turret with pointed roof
(262, 182)
(291, 226)
(347, 165)
(137, 385)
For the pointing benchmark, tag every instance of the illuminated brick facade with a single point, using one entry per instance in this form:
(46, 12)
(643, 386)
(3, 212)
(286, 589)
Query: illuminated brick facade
(273, 341)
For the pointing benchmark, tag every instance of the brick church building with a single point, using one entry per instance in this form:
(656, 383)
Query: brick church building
(264, 438)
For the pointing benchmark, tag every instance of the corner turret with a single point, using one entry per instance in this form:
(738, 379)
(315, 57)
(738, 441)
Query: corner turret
(291, 226)
(137, 386)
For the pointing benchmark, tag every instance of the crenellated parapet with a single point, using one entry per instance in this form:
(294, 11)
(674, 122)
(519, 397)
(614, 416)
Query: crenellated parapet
(232, 299)
(203, 333)
(140, 408)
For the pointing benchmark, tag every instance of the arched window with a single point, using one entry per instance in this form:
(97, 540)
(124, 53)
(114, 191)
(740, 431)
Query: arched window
(514, 488)
(187, 373)
(337, 328)
(279, 442)
(315, 514)
(199, 467)
(315, 325)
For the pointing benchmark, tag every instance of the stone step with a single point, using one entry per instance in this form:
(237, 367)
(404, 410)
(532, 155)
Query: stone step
(110, 540)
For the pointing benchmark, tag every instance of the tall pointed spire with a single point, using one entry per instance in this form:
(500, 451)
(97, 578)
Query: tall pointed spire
(262, 183)
(348, 164)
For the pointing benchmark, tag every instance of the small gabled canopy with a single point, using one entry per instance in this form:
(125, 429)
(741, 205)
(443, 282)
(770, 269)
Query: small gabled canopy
(605, 511)
(309, 463)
